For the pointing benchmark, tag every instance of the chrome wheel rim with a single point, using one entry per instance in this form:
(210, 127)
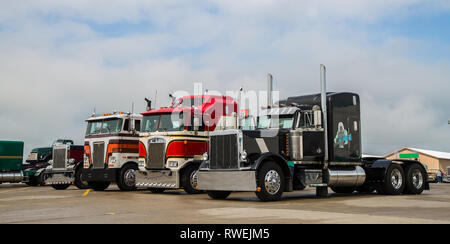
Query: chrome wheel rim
(417, 179)
(396, 179)
(130, 177)
(193, 179)
(272, 182)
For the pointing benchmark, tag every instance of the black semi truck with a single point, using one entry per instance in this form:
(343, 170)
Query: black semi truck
(307, 141)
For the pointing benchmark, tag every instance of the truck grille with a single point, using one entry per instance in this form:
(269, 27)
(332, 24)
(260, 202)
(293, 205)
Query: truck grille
(59, 158)
(156, 156)
(98, 155)
(224, 152)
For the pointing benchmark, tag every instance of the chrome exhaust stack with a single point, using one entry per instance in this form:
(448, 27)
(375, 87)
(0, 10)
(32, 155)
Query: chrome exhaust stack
(323, 88)
(269, 90)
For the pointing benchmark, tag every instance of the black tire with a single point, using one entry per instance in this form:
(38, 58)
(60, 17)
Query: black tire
(343, 190)
(415, 179)
(33, 181)
(98, 185)
(41, 178)
(188, 180)
(127, 178)
(157, 190)
(60, 187)
(266, 170)
(78, 182)
(220, 195)
(387, 186)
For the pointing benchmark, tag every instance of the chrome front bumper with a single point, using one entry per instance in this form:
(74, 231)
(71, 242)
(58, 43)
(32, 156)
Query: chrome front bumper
(157, 179)
(59, 178)
(226, 180)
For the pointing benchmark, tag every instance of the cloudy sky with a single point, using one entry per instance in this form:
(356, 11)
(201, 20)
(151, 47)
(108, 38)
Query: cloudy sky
(61, 59)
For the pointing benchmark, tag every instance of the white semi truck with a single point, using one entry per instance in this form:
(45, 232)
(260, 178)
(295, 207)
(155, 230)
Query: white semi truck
(111, 150)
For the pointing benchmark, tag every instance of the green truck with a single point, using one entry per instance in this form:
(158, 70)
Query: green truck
(38, 160)
(11, 159)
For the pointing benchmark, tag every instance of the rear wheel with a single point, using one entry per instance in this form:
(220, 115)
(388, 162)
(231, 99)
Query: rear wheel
(270, 180)
(189, 179)
(343, 190)
(99, 185)
(394, 181)
(415, 179)
(60, 187)
(78, 182)
(127, 178)
(219, 194)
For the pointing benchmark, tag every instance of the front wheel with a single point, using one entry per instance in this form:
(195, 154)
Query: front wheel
(78, 182)
(394, 181)
(33, 181)
(220, 195)
(415, 179)
(127, 178)
(41, 178)
(270, 179)
(189, 179)
(99, 185)
(60, 187)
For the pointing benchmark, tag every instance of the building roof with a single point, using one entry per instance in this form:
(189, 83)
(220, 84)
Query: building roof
(435, 154)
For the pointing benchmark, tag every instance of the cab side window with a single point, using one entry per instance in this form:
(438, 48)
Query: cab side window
(137, 125)
(126, 125)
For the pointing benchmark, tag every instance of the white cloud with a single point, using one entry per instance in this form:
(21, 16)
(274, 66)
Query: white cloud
(56, 67)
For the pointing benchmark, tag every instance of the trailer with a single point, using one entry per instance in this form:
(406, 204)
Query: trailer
(307, 141)
(65, 167)
(11, 159)
(173, 140)
(111, 150)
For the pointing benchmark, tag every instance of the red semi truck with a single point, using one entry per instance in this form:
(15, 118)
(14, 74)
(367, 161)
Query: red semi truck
(172, 140)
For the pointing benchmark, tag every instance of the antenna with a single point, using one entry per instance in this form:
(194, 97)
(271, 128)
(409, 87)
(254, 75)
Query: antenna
(156, 94)
(132, 107)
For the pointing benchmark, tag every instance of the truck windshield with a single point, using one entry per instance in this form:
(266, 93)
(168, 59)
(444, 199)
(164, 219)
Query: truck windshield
(163, 122)
(275, 122)
(104, 126)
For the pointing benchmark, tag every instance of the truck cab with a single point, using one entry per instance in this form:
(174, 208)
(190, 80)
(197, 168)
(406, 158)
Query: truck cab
(173, 140)
(111, 150)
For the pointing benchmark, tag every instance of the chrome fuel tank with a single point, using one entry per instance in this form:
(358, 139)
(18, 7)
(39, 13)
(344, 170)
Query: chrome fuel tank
(343, 178)
(11, 177)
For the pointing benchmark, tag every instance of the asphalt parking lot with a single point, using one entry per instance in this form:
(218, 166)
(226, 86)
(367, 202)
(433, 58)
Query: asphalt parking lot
(22, 204)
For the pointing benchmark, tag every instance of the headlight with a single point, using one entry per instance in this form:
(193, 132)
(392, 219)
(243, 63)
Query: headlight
(173, 164)
(50, 161)
(112, 160)
(244, 155)
(71, 161)
(205, 156)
